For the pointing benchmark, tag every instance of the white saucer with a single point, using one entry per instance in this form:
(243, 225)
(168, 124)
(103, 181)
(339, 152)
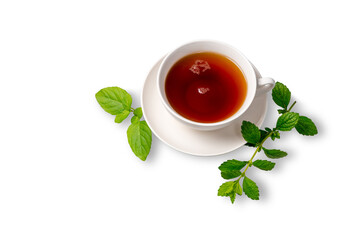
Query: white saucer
(188, 140)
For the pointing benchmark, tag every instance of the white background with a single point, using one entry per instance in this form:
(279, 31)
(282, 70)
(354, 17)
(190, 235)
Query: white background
(67, 172)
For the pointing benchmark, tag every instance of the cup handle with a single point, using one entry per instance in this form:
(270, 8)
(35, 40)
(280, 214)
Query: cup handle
(264, 85)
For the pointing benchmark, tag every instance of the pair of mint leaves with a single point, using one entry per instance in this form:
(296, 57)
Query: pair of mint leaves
(117, 101)
(255, 137)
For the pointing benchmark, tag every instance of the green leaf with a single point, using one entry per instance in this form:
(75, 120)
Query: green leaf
(281, 95)
(226, 188)
(138, 112)
(121, 116)
(262, 136)
(230, 189)
(135, 119)
(139, 138)
(230, 174)
(231, 168)
(250, 188)
(274, 153)
(237, 188)
(277, 134)
(232, 196)
(250, 132)
(306, 127)
(287, 121)
(114, 100)
(231, 165)
(264, 165)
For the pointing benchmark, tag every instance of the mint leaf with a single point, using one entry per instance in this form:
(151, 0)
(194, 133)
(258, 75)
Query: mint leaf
(138, 112)
(135, 119)
(121, 116)
(232, 196)
(264, 165)
(237, 188)
(250, 132)
(230, 174)
(114, 100)
(262, 136)
(277, 134)
(274, 153)
(306, 127)
(139, 138)
(231, 165)
(226, 188)
(230, 189)
(250, 188)
(231, 168)
(287, 121)
(281, 95)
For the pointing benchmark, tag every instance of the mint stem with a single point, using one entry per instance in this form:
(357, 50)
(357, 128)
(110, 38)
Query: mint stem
(256, 151)
(291, 106)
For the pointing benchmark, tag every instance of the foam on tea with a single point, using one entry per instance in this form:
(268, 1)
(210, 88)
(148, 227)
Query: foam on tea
(205, 87)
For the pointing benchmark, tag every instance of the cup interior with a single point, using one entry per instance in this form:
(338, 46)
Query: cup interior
(208, 46)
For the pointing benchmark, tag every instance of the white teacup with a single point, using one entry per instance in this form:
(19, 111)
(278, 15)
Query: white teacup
(254, 86)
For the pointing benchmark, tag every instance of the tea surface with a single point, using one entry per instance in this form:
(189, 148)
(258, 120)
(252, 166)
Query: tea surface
(205, 87)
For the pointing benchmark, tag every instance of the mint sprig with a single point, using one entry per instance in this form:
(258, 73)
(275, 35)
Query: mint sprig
(256, 137)
(117, 101)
